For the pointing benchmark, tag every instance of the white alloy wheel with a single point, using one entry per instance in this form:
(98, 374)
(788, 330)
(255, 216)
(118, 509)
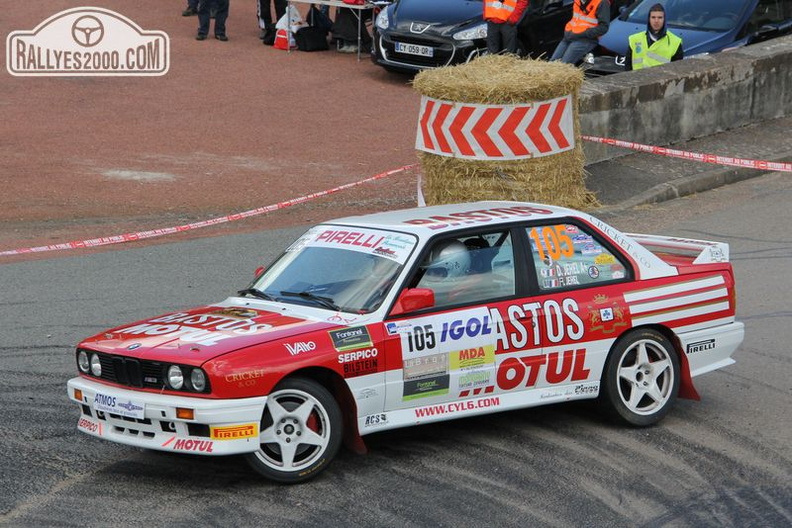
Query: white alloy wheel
(300, 432)
(641, 377)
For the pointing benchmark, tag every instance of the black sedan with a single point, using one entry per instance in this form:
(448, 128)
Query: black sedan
(411, 35)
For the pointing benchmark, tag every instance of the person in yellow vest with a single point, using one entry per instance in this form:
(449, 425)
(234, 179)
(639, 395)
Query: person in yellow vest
(590, 20)
(655, 46)
(502, 19)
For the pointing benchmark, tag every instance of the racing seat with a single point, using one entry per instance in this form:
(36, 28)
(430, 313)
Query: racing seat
(478, 283)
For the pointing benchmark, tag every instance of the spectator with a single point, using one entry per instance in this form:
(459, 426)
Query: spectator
(205, 10)
(265, 20)
(345, 30)
(192, 8)
(590, 20)
(502, 19)
(655, 46)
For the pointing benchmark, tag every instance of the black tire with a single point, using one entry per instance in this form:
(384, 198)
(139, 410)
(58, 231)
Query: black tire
(641, 378)
(300, 432)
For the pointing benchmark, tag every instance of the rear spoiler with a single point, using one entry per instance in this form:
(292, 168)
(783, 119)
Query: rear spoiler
(704, 251)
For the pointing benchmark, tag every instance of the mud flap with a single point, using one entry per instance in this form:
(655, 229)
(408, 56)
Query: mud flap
(352, 439)
(686, 388)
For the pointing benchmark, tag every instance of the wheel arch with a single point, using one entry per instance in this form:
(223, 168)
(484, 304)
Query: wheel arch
(336, 385)
(686, 388)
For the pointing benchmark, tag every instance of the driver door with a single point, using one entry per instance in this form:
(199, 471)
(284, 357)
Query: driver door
(447, 352)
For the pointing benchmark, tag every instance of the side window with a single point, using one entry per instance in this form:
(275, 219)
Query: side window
(566, 256)
(468, 269)
(769, 12)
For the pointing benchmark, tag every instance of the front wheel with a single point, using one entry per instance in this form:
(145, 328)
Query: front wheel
(641, 378)
(300, 432)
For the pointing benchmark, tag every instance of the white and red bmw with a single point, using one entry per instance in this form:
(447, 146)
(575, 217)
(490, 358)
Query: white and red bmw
(395, 319)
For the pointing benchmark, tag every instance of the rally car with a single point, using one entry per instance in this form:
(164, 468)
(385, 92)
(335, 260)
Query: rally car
(376, 322)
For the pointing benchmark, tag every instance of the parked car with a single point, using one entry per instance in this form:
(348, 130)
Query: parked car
(705, 26)
(410, 35)
(389, 320)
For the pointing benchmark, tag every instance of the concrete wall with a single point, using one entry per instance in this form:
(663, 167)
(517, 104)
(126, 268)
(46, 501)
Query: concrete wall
(687, 99)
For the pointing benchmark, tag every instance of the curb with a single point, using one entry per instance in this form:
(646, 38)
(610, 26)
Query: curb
(687, 185)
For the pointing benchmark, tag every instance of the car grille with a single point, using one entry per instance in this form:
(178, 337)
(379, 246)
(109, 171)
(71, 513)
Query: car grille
(132, 372)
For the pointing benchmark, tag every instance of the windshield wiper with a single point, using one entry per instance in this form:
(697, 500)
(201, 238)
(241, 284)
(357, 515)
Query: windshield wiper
(327, 302)
(257, 293)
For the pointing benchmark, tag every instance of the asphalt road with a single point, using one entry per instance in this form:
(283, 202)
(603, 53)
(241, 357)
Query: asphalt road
(723, 461)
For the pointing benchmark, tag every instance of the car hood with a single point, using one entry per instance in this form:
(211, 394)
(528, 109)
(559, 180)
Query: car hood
(438, 13)
(693, 41)
(204, 333)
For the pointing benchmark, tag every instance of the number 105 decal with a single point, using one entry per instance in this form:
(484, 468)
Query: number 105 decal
(448, 332)
(419, 338)
(553, 242)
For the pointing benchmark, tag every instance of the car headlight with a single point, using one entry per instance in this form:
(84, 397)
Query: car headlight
(96, 365)
(82, 361)
(479, 31)
(175, 377)
(382, 19)
(198, 380)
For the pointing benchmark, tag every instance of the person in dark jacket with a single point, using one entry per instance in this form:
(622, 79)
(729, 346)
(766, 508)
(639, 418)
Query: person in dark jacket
(205, 9)
(192, 8)
(349, 27)
(590, 20)
(265, 20)
(656, 45)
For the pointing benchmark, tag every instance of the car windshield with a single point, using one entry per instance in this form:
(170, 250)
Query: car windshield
(705, 15)
(338, 268)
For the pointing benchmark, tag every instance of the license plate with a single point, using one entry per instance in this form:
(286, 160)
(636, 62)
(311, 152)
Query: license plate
(112, 404)
(414, 49)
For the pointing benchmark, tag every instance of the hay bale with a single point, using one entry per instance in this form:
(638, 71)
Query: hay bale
(506, 80)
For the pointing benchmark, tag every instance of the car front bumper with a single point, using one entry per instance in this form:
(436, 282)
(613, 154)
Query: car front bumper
(217, 427)
(446, 52)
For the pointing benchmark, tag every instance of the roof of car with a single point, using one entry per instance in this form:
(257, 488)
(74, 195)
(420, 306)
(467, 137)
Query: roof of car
(423, 220)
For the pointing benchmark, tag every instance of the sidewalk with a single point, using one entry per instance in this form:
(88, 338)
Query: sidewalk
(643, 178)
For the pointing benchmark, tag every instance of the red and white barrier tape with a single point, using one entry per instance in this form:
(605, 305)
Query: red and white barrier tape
(695, 156)
(130, 237)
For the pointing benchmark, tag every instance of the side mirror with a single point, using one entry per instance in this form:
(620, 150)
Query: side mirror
(413, 299)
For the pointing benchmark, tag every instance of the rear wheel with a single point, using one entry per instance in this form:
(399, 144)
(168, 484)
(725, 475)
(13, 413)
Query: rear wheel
(300, 432)
(641, 378)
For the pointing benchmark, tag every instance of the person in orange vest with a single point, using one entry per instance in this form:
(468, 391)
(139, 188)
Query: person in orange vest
(502, 19)
(590, 20)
